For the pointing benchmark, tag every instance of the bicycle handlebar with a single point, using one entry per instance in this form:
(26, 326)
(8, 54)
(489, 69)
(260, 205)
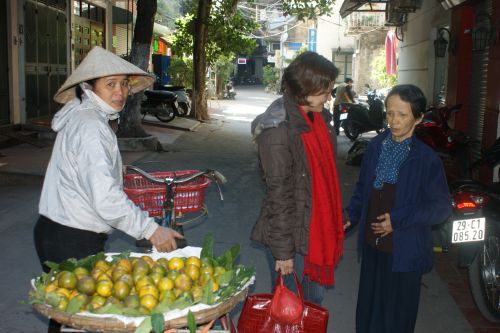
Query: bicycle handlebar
(211, 174)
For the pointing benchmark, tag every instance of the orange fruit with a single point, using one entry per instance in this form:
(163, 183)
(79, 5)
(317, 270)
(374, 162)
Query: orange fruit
(80, 272)
(155, 277)
(192, 271)
(167, 294)
(50, 287)
(149, 260)
(141, 267)
(63, 303)
(117, 272)
(132, 301)
(176, 264)
(67, 280)
(86, 285)
(148, 301)
(165, 284)
(159, 269)
(218, 270)
(125, 264)
(96, 272)
(193, 261)
(145, 280)
(104, 288)
(163, 262)
(96, 302)
(63, 292)
(149, 290)
(183, 282)
(121, 290)
(104, 276)
(127, 278)
(102, 265)
(207, 270)
(172, 275)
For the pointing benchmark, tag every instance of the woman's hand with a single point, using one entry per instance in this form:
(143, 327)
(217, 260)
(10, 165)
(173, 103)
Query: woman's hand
(163, 239)
(347, 224)
(384, 227)
(284, 266)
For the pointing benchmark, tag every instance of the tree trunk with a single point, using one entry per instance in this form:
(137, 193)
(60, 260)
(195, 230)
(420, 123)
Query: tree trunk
(199, 61)
(130, 117)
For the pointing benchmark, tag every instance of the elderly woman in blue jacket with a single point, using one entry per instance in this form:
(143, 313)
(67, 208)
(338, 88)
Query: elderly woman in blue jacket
(400, 194)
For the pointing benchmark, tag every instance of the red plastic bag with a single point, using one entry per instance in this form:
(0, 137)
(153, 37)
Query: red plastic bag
(256, 315)
(286, 307)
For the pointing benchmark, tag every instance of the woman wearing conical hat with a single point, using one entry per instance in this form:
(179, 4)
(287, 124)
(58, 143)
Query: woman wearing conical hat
(82, 199)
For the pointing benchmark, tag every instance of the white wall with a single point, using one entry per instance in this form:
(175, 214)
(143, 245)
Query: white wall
(331, 34)
(416, 51)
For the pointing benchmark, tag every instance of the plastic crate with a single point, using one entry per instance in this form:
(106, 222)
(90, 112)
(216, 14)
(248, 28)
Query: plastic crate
(150, 196)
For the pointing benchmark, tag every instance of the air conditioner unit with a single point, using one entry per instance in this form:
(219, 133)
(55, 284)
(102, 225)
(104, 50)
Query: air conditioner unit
(393, 16)
(407, 6)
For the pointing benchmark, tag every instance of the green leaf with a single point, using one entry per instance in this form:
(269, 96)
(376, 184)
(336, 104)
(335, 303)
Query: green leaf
(208, 295)
(184, 301)
(89, 262)
(68, 265)
(132, 312)
(110, 308)
(191, 322)
(75, 305)
(52, 265)
(145, 326)
(123, 255)
(158, 322)
(163, 306)
(208, 246)
(52, 298)
(225, 278)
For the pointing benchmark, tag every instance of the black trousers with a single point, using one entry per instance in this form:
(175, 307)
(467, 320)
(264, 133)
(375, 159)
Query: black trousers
(56, 242)
(336, 118)
(387, 301)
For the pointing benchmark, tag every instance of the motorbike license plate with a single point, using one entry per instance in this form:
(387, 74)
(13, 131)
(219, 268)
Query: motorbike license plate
(470, 230)
(343, 116)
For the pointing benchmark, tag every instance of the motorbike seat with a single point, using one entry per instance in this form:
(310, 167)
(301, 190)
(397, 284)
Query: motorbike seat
(376, 112)
(162, 95)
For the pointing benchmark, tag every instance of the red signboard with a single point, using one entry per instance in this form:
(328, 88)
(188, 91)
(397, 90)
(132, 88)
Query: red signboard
(242, 61)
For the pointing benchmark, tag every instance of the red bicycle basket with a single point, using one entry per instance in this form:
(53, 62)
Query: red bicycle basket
(150, 196)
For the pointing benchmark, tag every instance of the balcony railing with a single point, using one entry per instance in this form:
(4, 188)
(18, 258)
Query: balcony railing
(360, 22)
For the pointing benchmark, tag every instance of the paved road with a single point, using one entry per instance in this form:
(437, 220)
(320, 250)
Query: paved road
(225, 144)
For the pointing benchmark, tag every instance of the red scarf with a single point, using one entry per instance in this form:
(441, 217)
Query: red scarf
(326, 232)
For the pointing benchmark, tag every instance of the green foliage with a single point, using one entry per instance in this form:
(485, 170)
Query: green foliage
(181, 72)
(270, 74)
(228, 33)
(379, 72)
(299, 52)
(308, 9)
(224, 67)
(166, 12)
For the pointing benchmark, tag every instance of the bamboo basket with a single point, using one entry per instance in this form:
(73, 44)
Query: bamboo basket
(110, 324)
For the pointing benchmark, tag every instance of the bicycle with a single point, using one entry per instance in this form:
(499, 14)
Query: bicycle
(168, 195)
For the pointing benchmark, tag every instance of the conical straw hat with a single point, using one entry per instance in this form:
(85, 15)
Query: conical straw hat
(100, 63)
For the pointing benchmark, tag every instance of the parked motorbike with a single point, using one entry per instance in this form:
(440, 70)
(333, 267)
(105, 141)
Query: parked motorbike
(475, 228)
(183, 99)
(229, 92)
(361, 118)
(450, 144)
(160, 104)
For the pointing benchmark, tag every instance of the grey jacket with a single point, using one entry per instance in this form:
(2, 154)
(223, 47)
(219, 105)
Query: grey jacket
(283, 224)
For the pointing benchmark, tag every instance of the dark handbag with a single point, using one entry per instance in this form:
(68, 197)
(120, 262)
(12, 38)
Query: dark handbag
(260, 316)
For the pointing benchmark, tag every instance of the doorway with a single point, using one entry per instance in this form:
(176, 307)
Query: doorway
(45, 54)
(4, 68)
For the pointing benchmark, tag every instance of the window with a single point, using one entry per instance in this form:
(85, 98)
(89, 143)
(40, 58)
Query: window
(343, 61)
